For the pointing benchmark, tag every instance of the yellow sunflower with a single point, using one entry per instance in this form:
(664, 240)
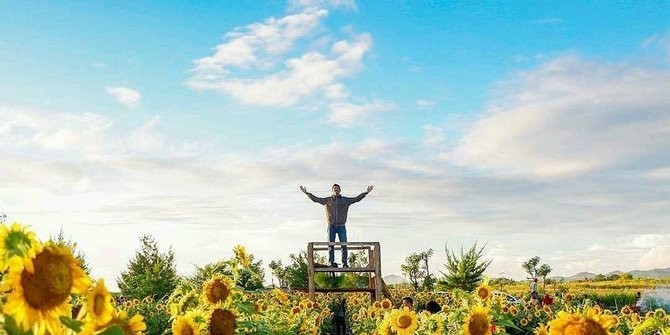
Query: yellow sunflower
(478, 322)
(218, 289)
(99, 306)
(222, 322)
(39, 297)
(404, 321)
(541, 329)
(16, 242)
(132, 326)
(484, 291)
(384, 327)
(185, 325)
(386, 304)
(241, 255)
(589, 322)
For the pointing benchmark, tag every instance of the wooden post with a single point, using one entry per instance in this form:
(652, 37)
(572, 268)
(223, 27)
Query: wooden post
(310, 270)
(378, 272)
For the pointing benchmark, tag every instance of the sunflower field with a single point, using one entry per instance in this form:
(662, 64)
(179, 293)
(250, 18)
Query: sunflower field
(45, 291)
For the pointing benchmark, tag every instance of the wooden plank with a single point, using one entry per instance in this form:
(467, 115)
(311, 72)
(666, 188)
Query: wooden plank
(310, 270)
(378, 272)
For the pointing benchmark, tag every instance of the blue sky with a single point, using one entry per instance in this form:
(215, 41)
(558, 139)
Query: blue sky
(539, 128)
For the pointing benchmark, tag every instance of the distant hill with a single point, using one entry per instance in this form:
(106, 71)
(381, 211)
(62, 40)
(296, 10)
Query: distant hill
(394, 279)
(654, 273)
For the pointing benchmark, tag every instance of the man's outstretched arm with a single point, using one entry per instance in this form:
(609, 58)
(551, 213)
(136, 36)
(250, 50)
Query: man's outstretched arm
(362, 195)
(312, 196)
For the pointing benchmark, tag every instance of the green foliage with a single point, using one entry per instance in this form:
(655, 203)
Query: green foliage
(60, 240)
(150, 273)
(250, 278)
(156, 319)
(416, 270)
(465, 272)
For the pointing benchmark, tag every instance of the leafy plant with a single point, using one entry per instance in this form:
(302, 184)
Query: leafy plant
(464, 272)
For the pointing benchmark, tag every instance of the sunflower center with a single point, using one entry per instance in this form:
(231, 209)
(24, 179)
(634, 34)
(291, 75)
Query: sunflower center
(51, 283)
(99, 304)
(479, 325)
(222, 322)
(217, 291)
(404, 321)
(482, 293)
(187, 330)
(588, 327)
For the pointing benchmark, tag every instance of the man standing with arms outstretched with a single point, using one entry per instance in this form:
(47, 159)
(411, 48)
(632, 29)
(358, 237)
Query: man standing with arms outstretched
(337, 207)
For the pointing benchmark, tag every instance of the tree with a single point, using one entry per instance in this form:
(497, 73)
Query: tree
(60, 240)
(279, 271)
(150, 273)
(412, 270)
(535, 271)
(465, 272)
(416, 270)
(429, 280)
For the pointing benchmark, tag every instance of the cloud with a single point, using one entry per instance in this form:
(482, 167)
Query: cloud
(571, 117)
(140, 180)
(425, 103)
(290, 60)
(656, 257)
(348, 115)
(125, 96)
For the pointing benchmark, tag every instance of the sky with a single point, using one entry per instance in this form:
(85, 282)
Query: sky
(530, 128)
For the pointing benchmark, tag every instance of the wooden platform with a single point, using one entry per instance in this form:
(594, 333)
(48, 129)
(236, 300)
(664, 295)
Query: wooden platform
(376, 285)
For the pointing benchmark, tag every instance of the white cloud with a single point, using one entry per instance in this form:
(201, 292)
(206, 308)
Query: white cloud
(125, 96)
(284, 61)
(348, 114)
(660, 173)
(572, 117)
(656, 257)
(425, 103)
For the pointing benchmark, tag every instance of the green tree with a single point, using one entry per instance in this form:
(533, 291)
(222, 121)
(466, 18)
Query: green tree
(60, 240)
(465, 272)
(150, 273)
(280, 272)
(412, 269)
(537, 271)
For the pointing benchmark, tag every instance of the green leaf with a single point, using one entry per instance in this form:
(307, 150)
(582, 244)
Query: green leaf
(72, 324)
(113, 330)
(246, 307)
(13, 329)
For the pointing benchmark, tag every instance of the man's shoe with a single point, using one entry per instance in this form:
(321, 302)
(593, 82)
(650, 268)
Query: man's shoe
(333, 265)
(345, 265)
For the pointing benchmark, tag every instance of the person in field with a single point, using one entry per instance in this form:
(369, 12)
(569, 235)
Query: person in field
(337, 207)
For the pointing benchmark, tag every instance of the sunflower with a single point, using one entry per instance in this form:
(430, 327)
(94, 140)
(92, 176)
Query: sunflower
(41, 292)
(386, 304)
(218, 289)
(16, 242)
(241, 255)
(185, 325)
(404, 322)
(99, 306)
(384, 327)
(478, 322)
(484, 291)
(222, 322)
(589, 322)
(280, 295)
(295, 310)
(541, 329)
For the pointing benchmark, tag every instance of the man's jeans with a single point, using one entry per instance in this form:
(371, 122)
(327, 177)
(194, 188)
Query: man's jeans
(341, 232)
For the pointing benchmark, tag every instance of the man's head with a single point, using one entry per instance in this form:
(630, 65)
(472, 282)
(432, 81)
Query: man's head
(336, 189)
(408, 302)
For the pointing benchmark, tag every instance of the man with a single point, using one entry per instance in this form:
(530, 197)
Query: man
(407, 302)
(336, 207)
